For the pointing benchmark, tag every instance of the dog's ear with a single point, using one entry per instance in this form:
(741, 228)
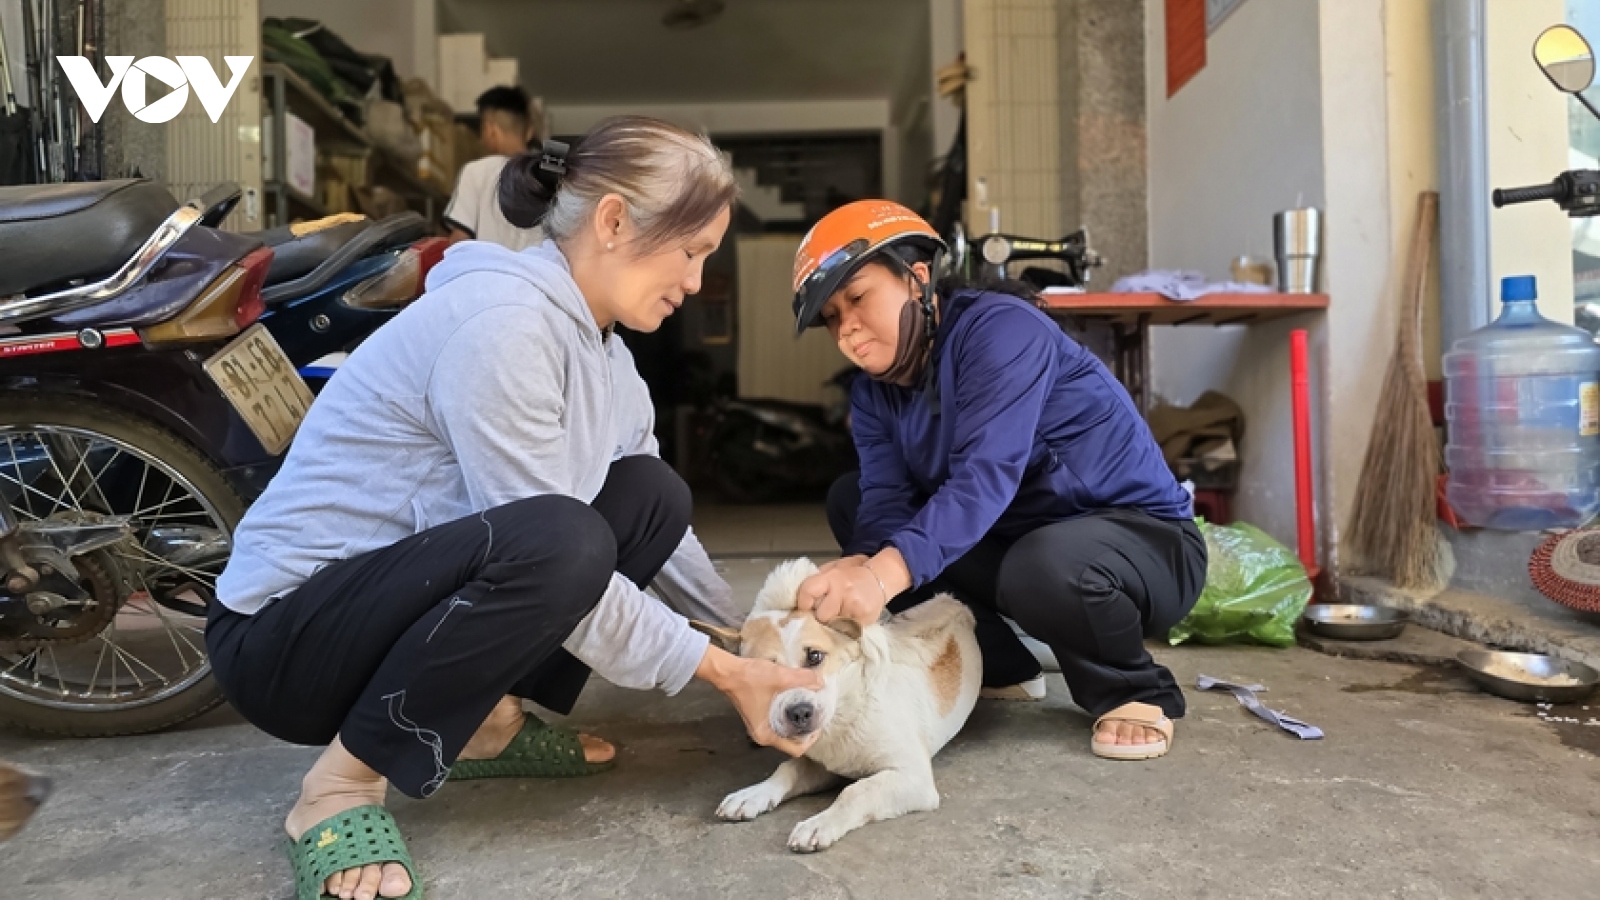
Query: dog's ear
(850, 628)
(779, 592)
(724, 637)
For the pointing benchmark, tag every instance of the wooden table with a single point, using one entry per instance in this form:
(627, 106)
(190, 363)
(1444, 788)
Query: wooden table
(1131, 315)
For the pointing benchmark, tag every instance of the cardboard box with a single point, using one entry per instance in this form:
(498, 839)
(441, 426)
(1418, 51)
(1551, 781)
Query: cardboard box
(301, 152)
(462, 60)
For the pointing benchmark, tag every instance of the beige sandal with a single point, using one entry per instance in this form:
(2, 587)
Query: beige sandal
(1137, 714)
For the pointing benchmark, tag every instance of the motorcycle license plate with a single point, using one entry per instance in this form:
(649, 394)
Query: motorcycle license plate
(263, 386)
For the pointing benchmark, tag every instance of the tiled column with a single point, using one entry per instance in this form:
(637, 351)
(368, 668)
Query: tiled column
(1014, 116)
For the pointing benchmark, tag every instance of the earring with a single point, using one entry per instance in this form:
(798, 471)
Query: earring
(610, 246)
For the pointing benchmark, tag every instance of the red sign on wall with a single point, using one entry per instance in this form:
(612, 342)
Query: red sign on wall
(1186, 41)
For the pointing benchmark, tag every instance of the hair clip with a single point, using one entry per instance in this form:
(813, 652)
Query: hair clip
(553, 158)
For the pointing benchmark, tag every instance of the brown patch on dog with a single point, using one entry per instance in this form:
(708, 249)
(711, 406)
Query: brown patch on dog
(760, 639)
(945, 673)
(786, 638)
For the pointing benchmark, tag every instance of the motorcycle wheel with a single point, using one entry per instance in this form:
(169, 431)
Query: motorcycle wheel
(141, 666)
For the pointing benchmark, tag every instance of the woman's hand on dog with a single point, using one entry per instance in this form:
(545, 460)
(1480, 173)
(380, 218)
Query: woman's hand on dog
(854, 587)
(860, 559)
(752, 685)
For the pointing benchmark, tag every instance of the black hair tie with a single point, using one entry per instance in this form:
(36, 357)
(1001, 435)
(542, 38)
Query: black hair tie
(553, 158)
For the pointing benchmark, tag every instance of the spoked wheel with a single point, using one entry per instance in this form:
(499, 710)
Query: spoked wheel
(121, 649)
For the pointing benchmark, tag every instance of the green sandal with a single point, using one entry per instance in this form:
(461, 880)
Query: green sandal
(538, 751)
(354, 838)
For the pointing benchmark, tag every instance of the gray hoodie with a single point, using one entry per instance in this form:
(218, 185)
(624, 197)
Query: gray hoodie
(496, 385)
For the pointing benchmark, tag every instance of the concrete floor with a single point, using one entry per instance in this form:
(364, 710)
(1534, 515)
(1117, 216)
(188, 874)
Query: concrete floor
(751, 531)
(1424, 788)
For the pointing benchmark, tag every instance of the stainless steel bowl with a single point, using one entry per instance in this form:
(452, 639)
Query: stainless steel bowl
(1352, 622)
(1478, 662)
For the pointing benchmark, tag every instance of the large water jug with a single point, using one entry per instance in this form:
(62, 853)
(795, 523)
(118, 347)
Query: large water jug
(1524, 417)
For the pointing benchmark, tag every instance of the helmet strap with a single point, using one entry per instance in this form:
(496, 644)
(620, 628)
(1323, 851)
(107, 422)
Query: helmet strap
(918, 325)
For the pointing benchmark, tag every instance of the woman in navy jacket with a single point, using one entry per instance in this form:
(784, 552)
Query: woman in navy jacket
(1002, 462)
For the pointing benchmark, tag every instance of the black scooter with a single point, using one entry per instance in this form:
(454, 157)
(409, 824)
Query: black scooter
(764, 451)
(1568, 61)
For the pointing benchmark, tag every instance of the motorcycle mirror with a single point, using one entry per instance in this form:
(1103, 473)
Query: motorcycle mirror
(1565, 58)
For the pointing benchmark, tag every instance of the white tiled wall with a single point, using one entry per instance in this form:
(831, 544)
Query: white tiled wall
(1013, 116)
(773, 364)
(201, 153)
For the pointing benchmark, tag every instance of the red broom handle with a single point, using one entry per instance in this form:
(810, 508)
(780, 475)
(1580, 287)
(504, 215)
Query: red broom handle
(1300, 385)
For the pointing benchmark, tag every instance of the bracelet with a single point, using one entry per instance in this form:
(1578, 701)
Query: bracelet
(868, 567)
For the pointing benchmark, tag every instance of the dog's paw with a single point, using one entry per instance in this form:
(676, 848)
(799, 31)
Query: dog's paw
(819, 832)
(742, 806)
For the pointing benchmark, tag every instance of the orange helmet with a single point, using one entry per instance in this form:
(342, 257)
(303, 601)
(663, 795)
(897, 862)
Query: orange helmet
(846, 238)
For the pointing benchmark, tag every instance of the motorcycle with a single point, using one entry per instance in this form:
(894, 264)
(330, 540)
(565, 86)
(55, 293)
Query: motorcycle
(1568, 61)
(768, 450)
(143, 401)
(361, 273)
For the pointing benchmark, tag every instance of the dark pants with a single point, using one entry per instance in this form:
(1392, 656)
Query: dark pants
(1092, 588)
(402, 652)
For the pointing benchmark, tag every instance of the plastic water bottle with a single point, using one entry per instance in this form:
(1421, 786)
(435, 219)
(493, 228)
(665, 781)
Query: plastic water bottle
(1524, 419)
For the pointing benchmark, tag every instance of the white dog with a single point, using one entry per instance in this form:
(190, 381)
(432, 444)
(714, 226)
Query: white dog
(893, 695)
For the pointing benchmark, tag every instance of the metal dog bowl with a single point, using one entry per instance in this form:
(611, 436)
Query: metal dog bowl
(1532, 667)
(1351, 622)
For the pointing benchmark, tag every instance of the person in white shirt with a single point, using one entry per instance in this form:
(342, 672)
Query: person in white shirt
(474, 213)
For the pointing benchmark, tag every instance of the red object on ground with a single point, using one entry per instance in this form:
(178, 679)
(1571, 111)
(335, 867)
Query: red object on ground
(1300, 400)
(1436, 403)
(1447, 513)
(1214, 505)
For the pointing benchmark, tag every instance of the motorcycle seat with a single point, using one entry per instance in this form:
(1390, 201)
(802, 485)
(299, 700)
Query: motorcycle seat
(52, 234)
(299, 248)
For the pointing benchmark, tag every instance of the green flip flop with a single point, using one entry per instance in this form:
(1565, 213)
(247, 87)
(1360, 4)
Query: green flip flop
(539, 750)
(358, 837)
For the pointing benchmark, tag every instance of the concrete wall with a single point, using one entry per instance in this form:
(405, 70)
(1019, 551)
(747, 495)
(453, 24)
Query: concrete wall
(1363, 270)
(1103, 126)
(911, 113)
(1413, 150)
(1528, 142)
(135, 28)
(1324, 103)
(775, 117)
(1239, 142)
(945, 44)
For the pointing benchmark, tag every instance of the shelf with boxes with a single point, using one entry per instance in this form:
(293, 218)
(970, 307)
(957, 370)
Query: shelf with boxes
(317, 162)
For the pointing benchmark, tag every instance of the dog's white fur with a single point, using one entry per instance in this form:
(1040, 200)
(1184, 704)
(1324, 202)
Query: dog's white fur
(878, 712)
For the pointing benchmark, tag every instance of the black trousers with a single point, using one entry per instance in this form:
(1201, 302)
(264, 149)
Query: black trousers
(1092, 588)
(403, 651)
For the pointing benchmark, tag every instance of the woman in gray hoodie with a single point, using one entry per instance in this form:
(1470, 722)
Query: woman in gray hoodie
(472, 508)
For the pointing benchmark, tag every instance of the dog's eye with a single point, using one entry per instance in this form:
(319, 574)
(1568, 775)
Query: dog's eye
(814, 658)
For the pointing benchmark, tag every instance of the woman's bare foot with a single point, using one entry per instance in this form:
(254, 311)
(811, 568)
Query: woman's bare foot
(505, 720)
(336, 783)
(1127, 734)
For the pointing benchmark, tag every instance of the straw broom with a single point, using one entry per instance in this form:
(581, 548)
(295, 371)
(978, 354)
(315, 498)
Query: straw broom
(1393, 529)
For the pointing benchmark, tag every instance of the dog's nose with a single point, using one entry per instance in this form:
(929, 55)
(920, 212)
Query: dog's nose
(800, 716)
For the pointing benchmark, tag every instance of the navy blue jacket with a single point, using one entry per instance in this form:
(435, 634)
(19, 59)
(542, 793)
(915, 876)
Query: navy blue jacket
(1024, 428)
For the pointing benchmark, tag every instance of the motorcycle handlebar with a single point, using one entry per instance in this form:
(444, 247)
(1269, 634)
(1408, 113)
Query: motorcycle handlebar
(1507, 196)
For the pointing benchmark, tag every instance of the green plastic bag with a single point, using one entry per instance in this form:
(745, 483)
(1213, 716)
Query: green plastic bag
(1255, 590)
